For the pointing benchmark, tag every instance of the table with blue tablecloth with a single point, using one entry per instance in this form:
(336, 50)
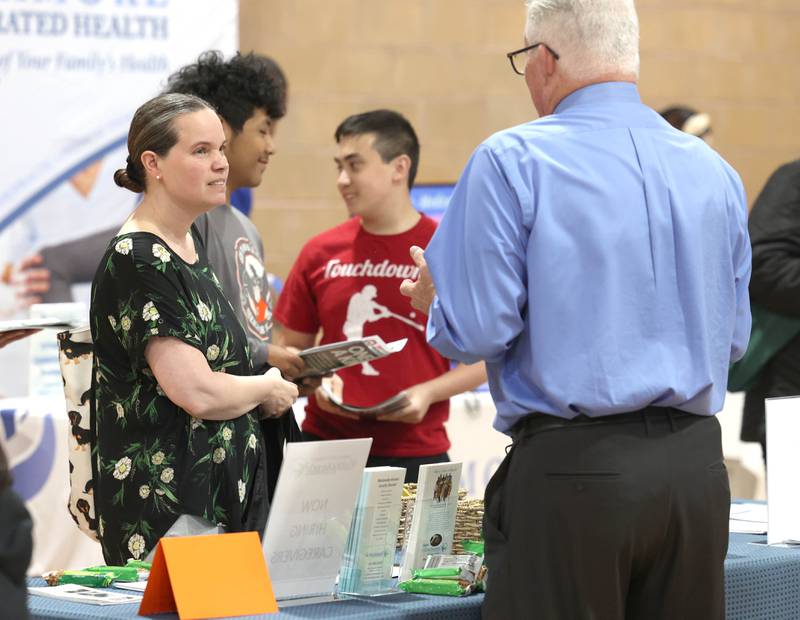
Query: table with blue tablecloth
(760, 582)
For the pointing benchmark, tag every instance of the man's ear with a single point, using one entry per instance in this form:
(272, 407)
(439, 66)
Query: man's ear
(550, 63)
(401, 168)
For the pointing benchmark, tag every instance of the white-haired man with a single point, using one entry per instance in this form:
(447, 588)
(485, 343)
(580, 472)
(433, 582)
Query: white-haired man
(598, 260)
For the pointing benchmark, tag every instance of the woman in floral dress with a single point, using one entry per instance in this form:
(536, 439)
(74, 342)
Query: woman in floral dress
(177, 408)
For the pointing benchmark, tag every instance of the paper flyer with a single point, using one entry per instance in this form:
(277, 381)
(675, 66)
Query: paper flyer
(434, 517)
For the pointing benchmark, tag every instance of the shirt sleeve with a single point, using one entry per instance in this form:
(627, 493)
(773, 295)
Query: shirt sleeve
(742, 255)
(153, 298)
(297, 306)
(477, 261)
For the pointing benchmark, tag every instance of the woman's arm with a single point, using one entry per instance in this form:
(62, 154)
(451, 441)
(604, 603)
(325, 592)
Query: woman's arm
(188, 381)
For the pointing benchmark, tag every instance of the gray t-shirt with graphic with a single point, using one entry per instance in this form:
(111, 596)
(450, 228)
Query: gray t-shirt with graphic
(236, 254)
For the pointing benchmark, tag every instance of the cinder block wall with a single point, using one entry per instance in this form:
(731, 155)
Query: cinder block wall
(442, 63)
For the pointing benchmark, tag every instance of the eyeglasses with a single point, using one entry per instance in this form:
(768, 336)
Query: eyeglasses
(517, 59)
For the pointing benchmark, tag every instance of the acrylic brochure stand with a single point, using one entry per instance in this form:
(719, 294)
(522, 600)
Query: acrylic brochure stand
(310, 516)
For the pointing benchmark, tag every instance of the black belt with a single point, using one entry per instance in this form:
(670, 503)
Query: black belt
(536, 422)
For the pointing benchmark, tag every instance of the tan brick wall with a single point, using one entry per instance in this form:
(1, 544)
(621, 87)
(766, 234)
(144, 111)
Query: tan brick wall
(442, 63)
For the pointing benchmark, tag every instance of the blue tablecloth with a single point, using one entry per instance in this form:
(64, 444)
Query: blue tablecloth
(760, 582)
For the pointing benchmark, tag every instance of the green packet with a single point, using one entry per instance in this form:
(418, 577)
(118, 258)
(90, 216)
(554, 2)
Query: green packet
(140, 564)
(473, 546)
(79, 578)
(120, 573)
(446, 587)
(445, 572)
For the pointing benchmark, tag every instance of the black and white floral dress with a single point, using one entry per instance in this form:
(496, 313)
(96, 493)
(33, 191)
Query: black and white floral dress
(152, 461)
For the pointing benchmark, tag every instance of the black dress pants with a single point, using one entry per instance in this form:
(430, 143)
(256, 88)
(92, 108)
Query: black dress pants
(621, 517)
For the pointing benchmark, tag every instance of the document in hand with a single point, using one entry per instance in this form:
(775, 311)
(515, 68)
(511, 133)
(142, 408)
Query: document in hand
(334, 392)
(330, 357)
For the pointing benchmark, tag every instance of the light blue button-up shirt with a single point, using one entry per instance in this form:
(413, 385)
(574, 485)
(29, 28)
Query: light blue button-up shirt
(598, 260)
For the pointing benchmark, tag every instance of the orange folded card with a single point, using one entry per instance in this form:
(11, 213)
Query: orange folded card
(209, 577)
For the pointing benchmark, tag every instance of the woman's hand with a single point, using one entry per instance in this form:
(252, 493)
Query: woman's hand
(282, 395)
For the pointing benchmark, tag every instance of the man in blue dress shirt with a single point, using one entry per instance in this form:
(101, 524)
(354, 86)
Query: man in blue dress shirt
(598, 260)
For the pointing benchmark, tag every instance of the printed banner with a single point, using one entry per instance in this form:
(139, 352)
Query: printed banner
(72, 72)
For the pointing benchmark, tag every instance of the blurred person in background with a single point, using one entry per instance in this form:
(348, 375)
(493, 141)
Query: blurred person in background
(690, 121)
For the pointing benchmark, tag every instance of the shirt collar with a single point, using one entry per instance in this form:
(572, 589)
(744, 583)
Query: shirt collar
(603, 92)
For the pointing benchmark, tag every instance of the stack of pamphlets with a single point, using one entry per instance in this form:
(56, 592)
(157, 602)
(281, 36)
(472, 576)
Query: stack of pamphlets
(433, 521)
(370, 550)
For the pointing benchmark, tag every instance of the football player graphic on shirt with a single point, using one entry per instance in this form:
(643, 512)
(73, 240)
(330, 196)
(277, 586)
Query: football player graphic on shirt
(362, 308)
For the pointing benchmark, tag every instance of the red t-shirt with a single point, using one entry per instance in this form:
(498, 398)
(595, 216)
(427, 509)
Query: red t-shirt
(347, 282)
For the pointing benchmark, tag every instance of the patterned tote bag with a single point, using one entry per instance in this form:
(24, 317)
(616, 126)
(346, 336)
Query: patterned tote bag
(76, 358)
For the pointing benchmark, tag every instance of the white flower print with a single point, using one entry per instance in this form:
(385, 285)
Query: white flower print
(251, 442)
(101, 526)
(112, 321)
(212, 353)
(136, 545)
(149, 312)
(196, 423)
(219, 455)
(124, 246)
(242, 491)
(144, 491)
(167, 475)
(157, 458)
(154, 330)
(122, 468)
(227, 434)
(120, 410)
(159, 491)
(159, 391)
(203, 311)
(126, 323)
(160, 252)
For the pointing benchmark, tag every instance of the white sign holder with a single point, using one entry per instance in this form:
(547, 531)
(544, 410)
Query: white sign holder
(310, 516)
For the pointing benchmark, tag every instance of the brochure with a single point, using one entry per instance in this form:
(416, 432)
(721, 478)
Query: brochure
(433, 520)
(370, 549)
(333, 386)
(327, 358)
(82, 594)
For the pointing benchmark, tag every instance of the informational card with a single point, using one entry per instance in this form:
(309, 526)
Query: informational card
(310, 515)
(783, 463)
(370, 551)
(83, 594)
(433, 521)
